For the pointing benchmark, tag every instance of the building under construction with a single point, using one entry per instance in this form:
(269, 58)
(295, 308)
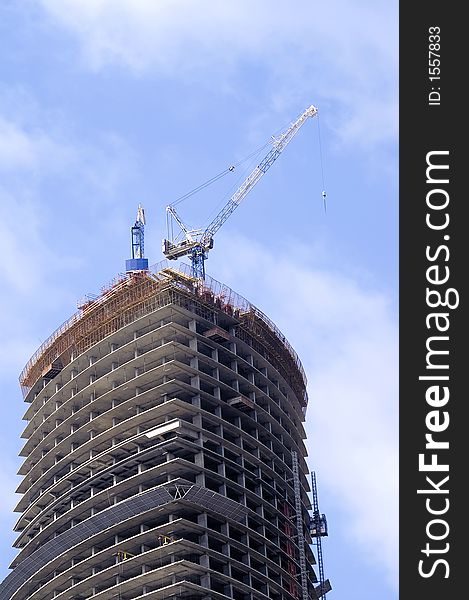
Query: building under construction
(164, 453)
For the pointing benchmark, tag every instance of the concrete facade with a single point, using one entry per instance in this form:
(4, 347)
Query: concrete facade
(164, 457)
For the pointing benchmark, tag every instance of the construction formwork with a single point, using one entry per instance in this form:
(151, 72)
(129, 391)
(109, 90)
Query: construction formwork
(164, 451)
(136, 294)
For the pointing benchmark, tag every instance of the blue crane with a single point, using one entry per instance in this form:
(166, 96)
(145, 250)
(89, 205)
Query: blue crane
(138, 262)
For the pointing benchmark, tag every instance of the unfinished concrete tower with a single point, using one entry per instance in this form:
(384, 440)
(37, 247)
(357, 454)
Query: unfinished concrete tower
(164, 453)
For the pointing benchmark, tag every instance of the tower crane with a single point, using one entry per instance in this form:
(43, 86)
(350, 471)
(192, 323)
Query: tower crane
(197, 243)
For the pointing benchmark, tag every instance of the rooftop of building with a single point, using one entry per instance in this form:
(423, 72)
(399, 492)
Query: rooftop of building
(134, 294)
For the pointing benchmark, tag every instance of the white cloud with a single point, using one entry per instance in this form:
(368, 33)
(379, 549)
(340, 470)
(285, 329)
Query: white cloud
(31, 150)
(142, 33)
(335, 51)
(22, 149)
(346, 336)
(16, 148)
(21, 244)
(82, 179)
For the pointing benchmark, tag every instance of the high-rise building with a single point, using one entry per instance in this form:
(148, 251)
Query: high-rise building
(164, 454)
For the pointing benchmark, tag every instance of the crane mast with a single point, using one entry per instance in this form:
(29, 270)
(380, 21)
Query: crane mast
(137, 262)
(197, 243)
(318, 529)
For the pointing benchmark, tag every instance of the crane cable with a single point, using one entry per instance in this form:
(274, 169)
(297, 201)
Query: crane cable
(202, 186)
(235, 185)
(242, 176)
(322, 166)
(230, 169)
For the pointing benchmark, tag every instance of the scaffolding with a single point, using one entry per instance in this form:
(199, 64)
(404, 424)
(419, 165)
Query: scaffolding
(135, 294)
(287, 529)
(319, 530)
(299, 526)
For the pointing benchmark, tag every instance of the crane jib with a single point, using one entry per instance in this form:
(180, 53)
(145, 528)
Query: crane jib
(196, 244)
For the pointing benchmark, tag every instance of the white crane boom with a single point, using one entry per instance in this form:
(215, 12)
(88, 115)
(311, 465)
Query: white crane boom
(251, 180)
(197, 244)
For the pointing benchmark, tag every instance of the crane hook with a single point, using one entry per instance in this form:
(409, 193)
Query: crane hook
(324, 199)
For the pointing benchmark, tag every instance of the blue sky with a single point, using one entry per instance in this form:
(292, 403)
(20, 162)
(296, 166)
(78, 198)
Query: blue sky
(108, 103)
